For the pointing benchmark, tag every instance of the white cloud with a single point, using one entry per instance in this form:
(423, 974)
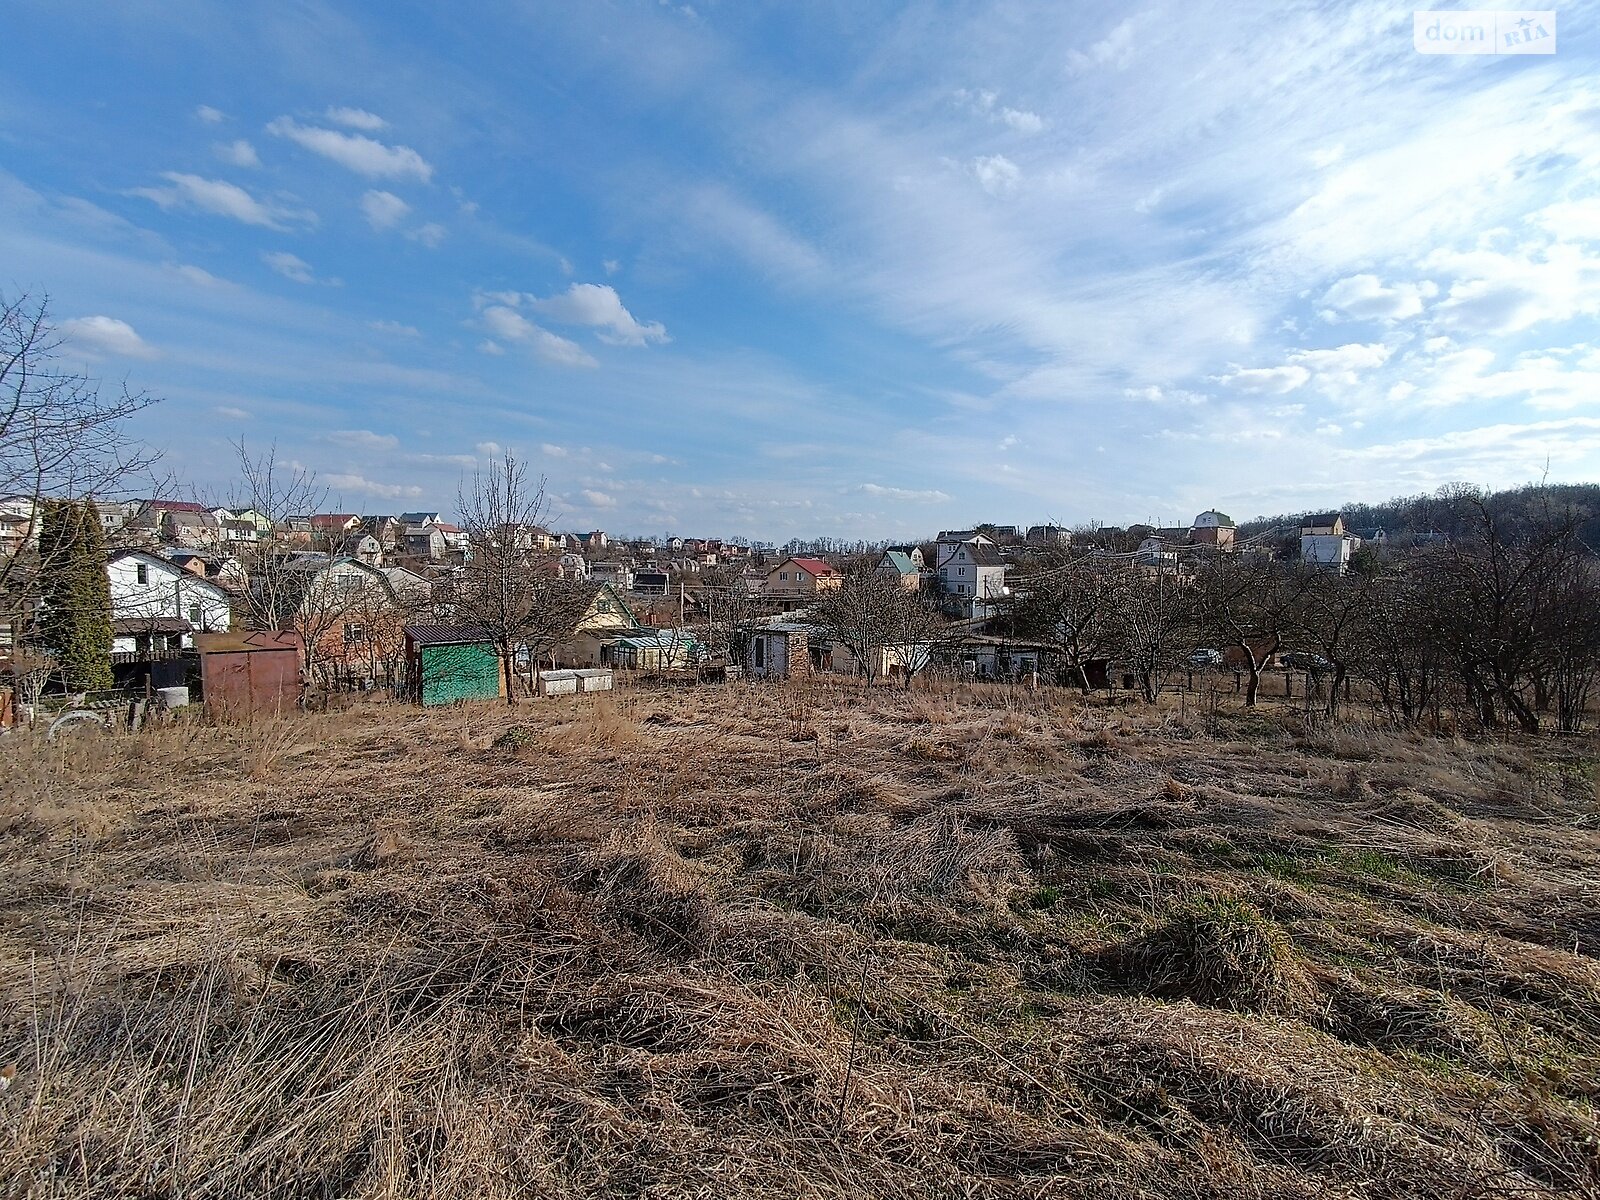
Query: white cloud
(1344, 363)
(198, 276)
(211, 116)
(1366, 297)
(719, 215)
(488, 449)
(238, 152)
(552, 450)
(611, 266)
(290, 266)
(985, 102)
(351, 482)
(1501, 293)
(1114, 50)
(1506, 452)
(220, 198)
(1271, 381)
(394, 327)
(907, 494)
(598, 499)
(1021, 120)
(105, 335)
(360, 154)
(356, 118)
(363, 439)
(383, 210)
(511, 326)
(489, 347)
(599, 306)
(234, 414)
(1578, 219)
(430, 234)
(996, 174)
(1326, 156)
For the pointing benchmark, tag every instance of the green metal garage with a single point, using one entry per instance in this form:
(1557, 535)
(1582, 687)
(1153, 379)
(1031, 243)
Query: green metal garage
(447, 663)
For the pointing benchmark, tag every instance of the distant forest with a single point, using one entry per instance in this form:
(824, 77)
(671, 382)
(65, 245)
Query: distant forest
(1405, 518)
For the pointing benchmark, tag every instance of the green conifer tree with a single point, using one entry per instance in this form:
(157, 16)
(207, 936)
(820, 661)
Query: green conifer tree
(75, 619)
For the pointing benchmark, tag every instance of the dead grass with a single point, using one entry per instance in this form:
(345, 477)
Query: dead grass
(801, 941)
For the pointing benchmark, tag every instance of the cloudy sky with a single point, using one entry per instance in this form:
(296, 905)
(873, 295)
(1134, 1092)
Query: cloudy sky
(842, 269)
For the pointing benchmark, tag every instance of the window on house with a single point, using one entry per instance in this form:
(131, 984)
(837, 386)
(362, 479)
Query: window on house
(354, 635)
(602, 606)
(142, 573)
(961, 570)
(194, 614)
(784, 576)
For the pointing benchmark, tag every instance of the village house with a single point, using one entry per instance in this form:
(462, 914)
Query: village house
(1160, 547)
(907, 571)
(425, 542)
(1213, 528)
(1048, 535)
(650, 583)
(799, 579)
(332, 527)
(618, 574)
(971, 569)
(218, 566)
(388, 529)
(412, 592)
(345, 612)
(1324, 543)
(984, 655)
(191, 530)
(607, 620)
(18, 529)
(157, 605)
(456, 539)
(361, 546)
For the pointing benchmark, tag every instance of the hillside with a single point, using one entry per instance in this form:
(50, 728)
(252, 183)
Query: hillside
(1407, 516)
(796, 941)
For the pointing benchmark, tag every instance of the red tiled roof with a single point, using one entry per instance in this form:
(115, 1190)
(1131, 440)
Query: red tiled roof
(815, 566)
(331, 520)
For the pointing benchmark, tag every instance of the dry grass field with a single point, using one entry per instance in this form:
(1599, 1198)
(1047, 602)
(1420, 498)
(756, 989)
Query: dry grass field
(798, 942)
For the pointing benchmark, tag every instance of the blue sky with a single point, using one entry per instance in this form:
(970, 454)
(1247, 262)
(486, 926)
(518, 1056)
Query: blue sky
(819, 269)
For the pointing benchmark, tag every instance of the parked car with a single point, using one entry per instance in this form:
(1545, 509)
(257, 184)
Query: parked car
(1304, 660)
(1206, 657)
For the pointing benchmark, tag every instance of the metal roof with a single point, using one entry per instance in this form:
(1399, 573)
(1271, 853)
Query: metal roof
(449, 635)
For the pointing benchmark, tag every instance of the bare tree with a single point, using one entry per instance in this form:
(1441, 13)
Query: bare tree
(880, 622)
(1152, 625)
(1337, 621)
(731, 620)
(1504, 594)
(511, 589)
(58, 438)
(1077, 605)
(1252, 605)
(276, 561)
